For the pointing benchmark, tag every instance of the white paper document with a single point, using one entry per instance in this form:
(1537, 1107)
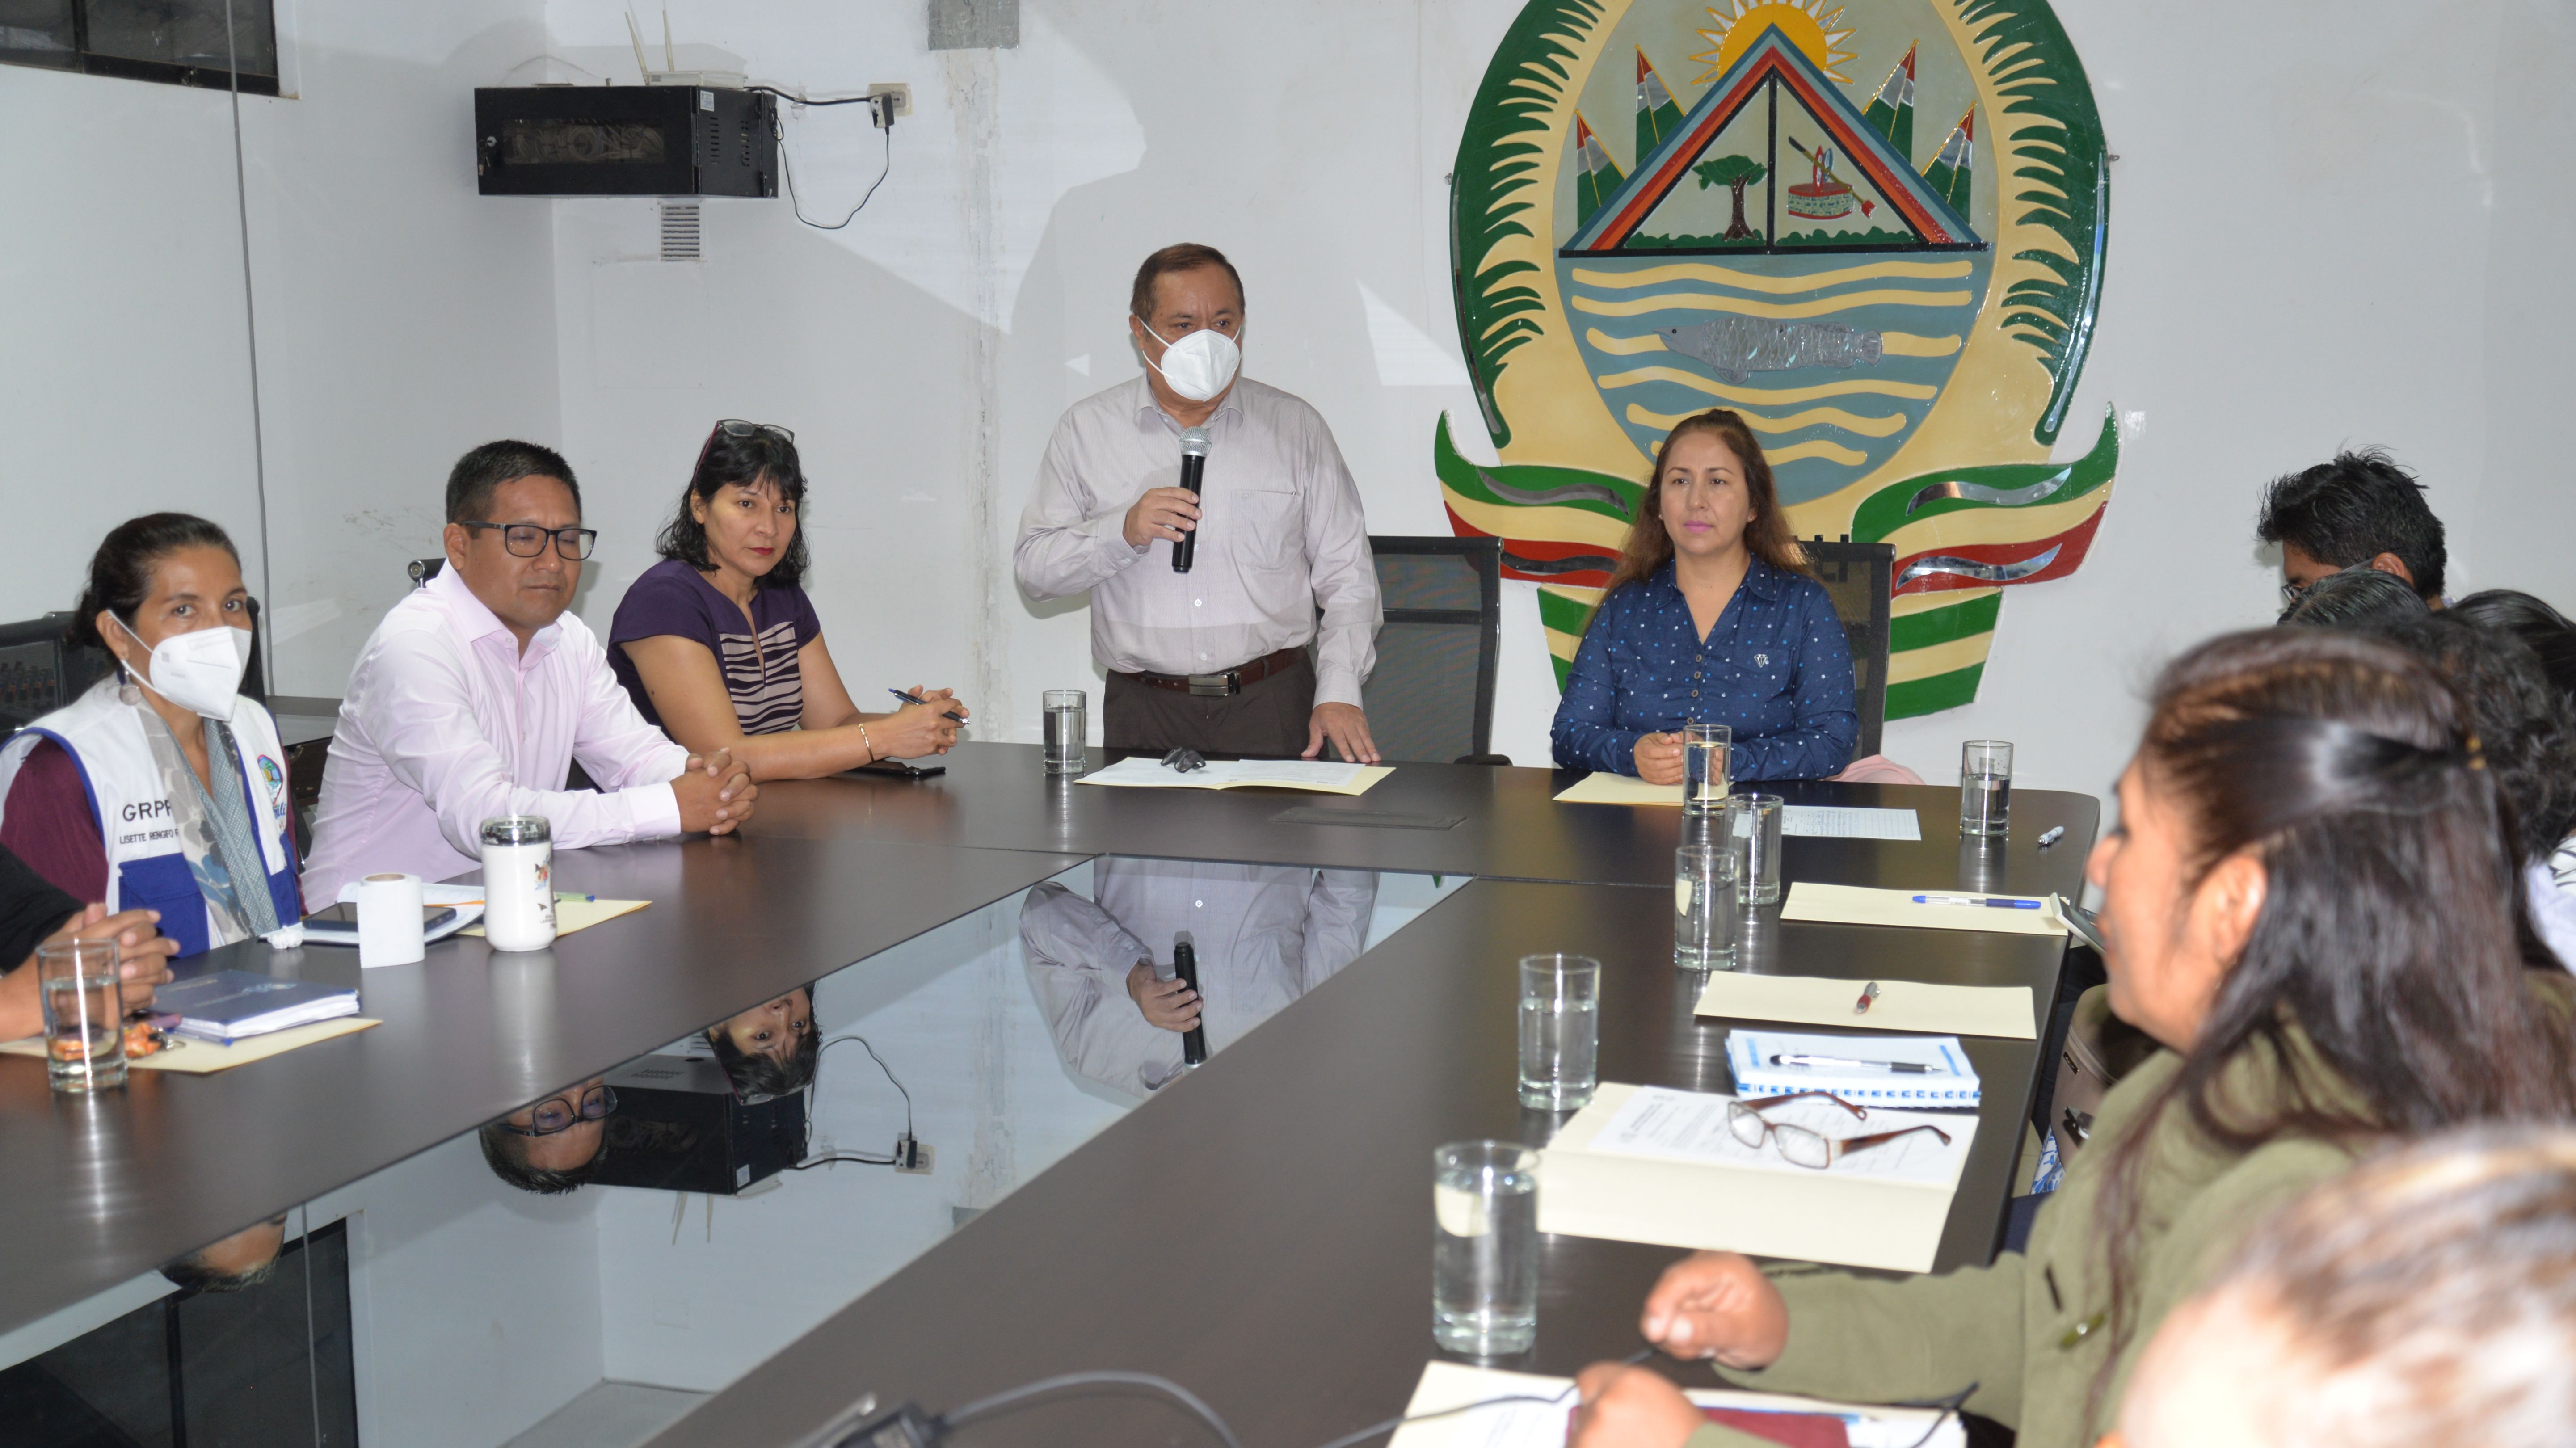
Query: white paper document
(1849, 822)
(1691, 1126)
(1319, 775)
(1666, 1170)
(1447, 1386)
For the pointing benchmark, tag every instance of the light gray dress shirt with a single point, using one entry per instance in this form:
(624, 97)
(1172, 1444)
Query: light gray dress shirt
(1281, 535)
(1264, 935)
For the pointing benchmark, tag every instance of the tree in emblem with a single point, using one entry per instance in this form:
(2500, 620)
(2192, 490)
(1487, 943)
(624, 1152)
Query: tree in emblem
(1735, 172)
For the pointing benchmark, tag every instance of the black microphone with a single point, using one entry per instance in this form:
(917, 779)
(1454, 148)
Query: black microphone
(1185, 964)
(1194, 446)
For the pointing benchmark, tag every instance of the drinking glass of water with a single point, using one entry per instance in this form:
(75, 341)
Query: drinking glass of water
(1066, 725)
(84, 1014)
(1560, 1031)
(1484, 1255)
(1753, 823)
(1985, 786)
(1705, 750)
(1704, 906)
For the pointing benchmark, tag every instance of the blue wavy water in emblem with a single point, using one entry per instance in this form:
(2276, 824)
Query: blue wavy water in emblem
(1835, 358)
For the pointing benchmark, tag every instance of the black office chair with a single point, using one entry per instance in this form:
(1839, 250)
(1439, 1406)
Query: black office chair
(1431, 698)
(41, 671)
(1860, 576)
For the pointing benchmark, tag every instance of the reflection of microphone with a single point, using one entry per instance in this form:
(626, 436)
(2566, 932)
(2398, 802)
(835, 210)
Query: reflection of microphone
(1194, 446)
(1185, 964)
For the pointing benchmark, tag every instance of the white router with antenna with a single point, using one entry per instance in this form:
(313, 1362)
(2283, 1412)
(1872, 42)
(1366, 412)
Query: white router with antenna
(670, 74)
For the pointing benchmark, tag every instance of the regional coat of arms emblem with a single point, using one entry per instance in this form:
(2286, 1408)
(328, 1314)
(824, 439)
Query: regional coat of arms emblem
(1900, 311)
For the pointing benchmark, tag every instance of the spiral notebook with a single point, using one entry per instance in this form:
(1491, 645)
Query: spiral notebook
(1872, 1079)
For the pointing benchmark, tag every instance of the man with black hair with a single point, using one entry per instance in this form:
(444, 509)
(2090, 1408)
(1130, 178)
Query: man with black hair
(2527, 734)
(2361, 508)
(479, 690)
(553, 1146)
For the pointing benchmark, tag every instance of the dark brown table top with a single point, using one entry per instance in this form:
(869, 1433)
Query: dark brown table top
(97, 1191)
(1260, 1232)
(997, 796)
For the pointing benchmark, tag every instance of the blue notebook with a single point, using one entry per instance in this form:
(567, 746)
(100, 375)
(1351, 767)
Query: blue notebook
(1923, 1072)
(233, 1005)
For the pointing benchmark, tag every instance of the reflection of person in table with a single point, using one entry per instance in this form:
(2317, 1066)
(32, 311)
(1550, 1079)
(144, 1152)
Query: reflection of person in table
(552, 1146)
(1711, 617)
(718, 644)
(769, 1050)
(1214, 659)
(244, 1259)
(1264, 935)
(2308, 904)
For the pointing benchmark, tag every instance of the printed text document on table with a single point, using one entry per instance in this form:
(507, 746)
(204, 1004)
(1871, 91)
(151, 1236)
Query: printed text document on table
(1317, 776)
(1447, 1387)
(1649, 1164)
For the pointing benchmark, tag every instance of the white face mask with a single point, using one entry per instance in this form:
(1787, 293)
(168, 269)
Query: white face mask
(1200, 366)
(199, 671)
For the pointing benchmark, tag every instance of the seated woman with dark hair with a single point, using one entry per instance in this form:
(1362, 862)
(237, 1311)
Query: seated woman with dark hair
(162, 787)
(2308, 904)
(1711, 618)
(718, 644)
(769, 1050)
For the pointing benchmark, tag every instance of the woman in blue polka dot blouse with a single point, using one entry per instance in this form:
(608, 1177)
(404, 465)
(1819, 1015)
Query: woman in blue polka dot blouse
(1711, 617)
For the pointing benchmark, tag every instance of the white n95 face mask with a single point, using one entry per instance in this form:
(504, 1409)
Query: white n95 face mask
(200, 670)
(1200, 366)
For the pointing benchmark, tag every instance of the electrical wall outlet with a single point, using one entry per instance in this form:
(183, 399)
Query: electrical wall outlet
(902, 96)
(912, 1157)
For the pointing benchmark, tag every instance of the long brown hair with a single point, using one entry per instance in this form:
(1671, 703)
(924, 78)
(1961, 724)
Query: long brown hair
(1650, 544)
(2387, 933)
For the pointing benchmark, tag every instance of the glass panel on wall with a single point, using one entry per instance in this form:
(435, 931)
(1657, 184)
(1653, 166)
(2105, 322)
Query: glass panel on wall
(186, 42)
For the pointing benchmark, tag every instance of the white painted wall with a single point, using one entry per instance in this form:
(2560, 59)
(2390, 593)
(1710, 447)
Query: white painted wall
(2339, 226)
(125, 371)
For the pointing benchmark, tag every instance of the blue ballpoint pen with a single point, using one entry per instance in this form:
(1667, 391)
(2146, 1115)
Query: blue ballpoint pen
(1998, 902)
(917, 699)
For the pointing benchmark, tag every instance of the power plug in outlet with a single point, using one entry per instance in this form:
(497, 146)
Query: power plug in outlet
(912, 1156)
(889, 101)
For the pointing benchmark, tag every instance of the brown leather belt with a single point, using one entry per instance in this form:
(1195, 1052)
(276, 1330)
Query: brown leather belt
(1218, 686)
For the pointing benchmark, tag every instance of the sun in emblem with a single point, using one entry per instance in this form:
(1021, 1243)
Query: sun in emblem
(1817, 31)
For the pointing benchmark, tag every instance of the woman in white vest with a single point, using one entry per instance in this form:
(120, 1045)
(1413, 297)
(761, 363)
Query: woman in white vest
(162, 787)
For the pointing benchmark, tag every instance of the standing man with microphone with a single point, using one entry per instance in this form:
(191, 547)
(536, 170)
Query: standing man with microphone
(1208, 560)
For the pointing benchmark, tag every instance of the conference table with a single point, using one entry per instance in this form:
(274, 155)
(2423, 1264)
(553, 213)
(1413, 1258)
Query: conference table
(1257, 1230)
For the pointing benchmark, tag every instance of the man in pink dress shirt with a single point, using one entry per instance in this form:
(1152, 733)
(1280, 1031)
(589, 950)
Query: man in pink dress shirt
(478, 691)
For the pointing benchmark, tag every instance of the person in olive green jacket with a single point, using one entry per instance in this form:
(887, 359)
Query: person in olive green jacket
(2426, 1296)
(2309, 903)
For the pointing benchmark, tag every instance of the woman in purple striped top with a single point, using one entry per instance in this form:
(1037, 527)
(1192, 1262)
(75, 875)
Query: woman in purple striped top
(718, 644)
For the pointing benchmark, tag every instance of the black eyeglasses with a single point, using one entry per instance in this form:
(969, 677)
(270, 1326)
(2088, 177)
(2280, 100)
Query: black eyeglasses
(558, 1113)
(736, 427)
(527, 540)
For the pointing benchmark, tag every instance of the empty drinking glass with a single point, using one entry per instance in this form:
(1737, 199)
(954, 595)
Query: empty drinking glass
(1985, 786)
(1705, 757)
(1753, 823)
(1484, 1255)
(84, 1014)
(1704, 906)
(1560, 1030)
(1065, 728)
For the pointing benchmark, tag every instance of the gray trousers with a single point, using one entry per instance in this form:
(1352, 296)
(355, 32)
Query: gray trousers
(1267, 719)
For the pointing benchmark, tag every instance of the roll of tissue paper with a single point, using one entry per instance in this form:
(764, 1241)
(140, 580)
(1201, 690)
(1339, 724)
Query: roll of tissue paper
(389, 920)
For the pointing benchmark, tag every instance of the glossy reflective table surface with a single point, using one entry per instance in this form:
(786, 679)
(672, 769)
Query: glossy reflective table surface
(1507, 824)
(1261, 1232)
(1253, 1227)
